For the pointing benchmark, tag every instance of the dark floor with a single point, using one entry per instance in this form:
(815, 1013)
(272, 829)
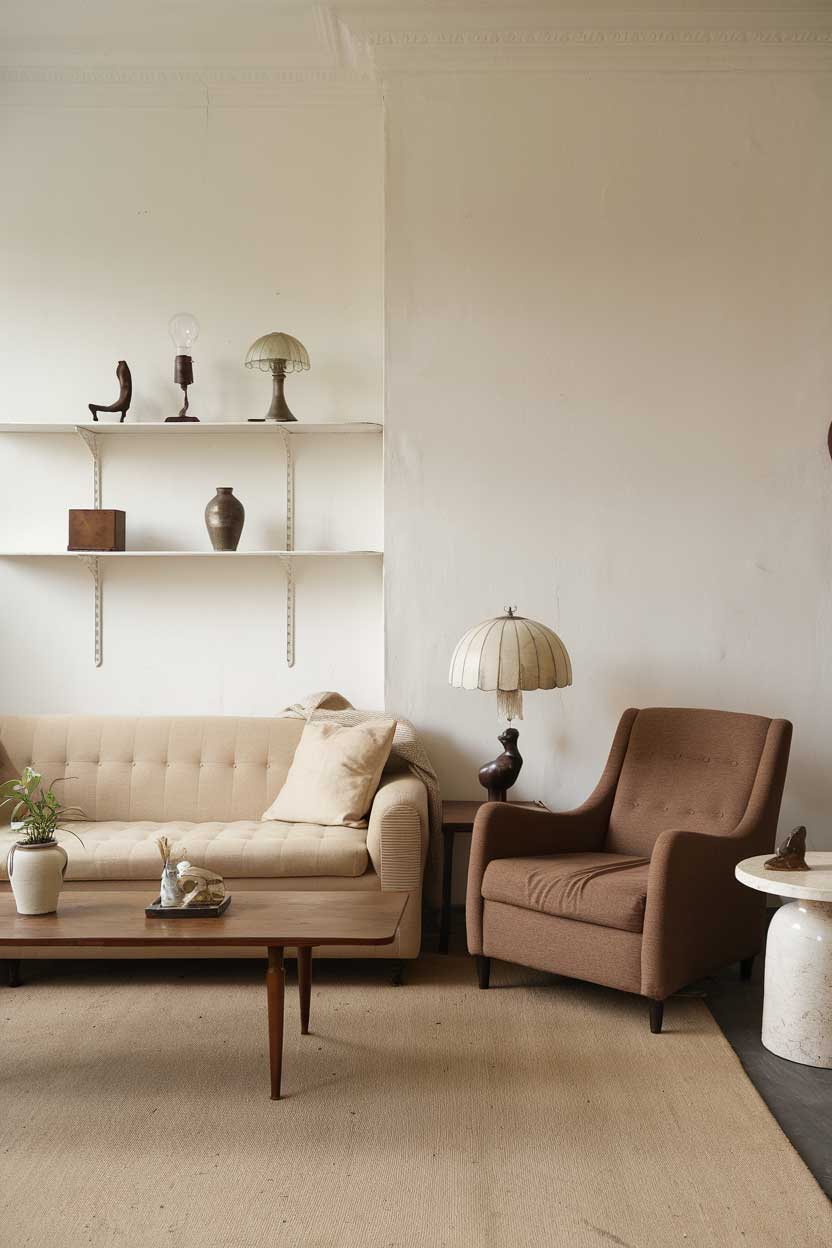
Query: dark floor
(799, 1097)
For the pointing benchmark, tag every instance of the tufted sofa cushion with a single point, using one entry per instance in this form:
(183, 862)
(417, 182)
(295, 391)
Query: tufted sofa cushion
(114, 850)
(192, 768)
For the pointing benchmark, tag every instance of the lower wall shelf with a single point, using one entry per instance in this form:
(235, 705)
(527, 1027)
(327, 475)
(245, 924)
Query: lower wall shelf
(91, 559)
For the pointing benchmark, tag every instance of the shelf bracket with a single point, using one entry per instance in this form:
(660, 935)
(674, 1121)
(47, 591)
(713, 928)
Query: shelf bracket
(91, 563)
(90, 440)
(290, 545)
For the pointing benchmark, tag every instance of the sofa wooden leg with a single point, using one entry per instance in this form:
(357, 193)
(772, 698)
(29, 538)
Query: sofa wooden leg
(13, 972)
(483, 970)
(746, 967)
(656, 1016)
(397, 973)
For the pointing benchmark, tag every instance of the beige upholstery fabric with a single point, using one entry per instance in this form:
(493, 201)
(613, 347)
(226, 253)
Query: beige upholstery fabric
(610, 889)
(114, 850)
(335, 773)
(192, 768)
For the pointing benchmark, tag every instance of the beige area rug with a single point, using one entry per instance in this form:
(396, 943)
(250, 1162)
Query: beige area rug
(134, 1111)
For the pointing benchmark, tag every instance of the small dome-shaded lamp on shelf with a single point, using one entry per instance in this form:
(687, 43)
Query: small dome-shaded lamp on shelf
(509, 654)
(277, 354)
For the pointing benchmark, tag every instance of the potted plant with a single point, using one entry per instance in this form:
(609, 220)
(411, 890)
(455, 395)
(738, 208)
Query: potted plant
(36, 862)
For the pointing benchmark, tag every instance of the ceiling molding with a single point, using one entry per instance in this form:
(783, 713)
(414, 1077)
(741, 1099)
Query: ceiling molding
(614, 47)
(348, 49)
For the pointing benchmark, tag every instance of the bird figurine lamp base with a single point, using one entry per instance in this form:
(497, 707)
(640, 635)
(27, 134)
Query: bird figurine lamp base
(500, 774)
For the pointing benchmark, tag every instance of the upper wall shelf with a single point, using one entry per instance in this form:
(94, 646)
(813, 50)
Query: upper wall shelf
(203, 428)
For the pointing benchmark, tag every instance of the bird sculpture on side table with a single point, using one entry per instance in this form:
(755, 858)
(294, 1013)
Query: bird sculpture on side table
(791, 855)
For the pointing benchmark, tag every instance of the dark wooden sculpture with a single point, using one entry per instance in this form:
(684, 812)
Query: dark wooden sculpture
(125, 394)
(499, 775)
(791, 855)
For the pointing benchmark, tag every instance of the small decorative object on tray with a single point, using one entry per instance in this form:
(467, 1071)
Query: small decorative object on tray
(171, 894)
(791, 855)
(125, 394)
(187, 890)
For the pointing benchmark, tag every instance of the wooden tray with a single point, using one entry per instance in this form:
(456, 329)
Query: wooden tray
(157, 911)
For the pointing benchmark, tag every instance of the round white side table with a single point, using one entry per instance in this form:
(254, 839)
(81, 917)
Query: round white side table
(797, 1006)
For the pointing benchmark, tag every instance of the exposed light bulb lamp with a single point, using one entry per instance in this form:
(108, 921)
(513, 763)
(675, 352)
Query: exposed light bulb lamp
(184, 331)
(278, 354)
(507, 655)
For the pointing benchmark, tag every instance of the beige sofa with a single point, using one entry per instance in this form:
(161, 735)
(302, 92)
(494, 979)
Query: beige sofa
(204, 782)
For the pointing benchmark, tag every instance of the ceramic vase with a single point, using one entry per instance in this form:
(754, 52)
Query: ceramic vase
(224, 517)
(36, 873)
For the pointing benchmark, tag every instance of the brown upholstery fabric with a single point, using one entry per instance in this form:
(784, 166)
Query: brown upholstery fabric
(698, 916)
(692, 791)
(608, 889)
(580, 950)
(684, 769)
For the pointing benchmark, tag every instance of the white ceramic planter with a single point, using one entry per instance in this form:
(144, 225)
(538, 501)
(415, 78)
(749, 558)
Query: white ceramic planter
(36, 873)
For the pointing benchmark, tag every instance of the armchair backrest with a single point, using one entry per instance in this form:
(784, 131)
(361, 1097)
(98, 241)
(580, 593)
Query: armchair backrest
(696, 769)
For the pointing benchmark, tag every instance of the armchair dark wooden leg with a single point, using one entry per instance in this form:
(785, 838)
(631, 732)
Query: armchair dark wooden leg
(13, 971)
(656, 1016)
(483, 970)
(397, 973)
(746, 967)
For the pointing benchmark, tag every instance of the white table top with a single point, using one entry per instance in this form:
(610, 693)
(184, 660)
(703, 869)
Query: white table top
(814, 885)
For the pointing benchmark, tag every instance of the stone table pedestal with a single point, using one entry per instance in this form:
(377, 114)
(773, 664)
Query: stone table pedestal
(797, 1007)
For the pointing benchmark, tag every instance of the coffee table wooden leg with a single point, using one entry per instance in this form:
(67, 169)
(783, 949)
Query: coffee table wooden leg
(275, 986)
(304, 986)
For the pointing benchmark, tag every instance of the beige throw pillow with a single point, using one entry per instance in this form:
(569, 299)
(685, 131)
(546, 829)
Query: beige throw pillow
(334, 774)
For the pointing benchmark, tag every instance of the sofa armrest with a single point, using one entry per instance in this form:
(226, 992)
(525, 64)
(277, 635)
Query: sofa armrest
(698, 916)
(505, 830)
(397, 835)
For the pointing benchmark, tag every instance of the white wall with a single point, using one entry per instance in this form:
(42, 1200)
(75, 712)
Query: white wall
(253, 218)
(608, 391)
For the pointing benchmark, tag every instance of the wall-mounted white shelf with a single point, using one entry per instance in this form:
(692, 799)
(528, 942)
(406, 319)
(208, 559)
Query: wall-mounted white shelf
(191, 554)
(90, 433)
(255, 428)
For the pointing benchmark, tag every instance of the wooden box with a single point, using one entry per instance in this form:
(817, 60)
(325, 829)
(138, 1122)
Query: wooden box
(103, 529)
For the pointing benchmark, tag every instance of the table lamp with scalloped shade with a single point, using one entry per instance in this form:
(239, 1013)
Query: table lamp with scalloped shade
(507, 655)
(278, 354)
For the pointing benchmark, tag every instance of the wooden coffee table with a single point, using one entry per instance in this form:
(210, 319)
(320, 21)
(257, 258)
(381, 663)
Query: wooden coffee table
(298, 920)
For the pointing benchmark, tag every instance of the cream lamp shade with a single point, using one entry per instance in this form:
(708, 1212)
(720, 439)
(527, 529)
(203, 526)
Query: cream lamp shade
(278, 354)
(508, 654)
(271, 348)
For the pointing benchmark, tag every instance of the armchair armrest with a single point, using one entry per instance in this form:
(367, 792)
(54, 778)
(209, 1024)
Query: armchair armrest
(698, 916)
(504, 830)
(397, 834)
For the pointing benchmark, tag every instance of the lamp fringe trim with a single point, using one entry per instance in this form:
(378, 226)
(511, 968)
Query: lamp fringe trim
(510, 704)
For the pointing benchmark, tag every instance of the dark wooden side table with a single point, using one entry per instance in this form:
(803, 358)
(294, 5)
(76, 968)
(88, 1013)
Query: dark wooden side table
(458, 817)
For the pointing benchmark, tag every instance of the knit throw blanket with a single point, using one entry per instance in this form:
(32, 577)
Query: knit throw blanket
(406, 754)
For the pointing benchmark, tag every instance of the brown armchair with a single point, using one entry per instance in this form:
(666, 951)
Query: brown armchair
(635, 889)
